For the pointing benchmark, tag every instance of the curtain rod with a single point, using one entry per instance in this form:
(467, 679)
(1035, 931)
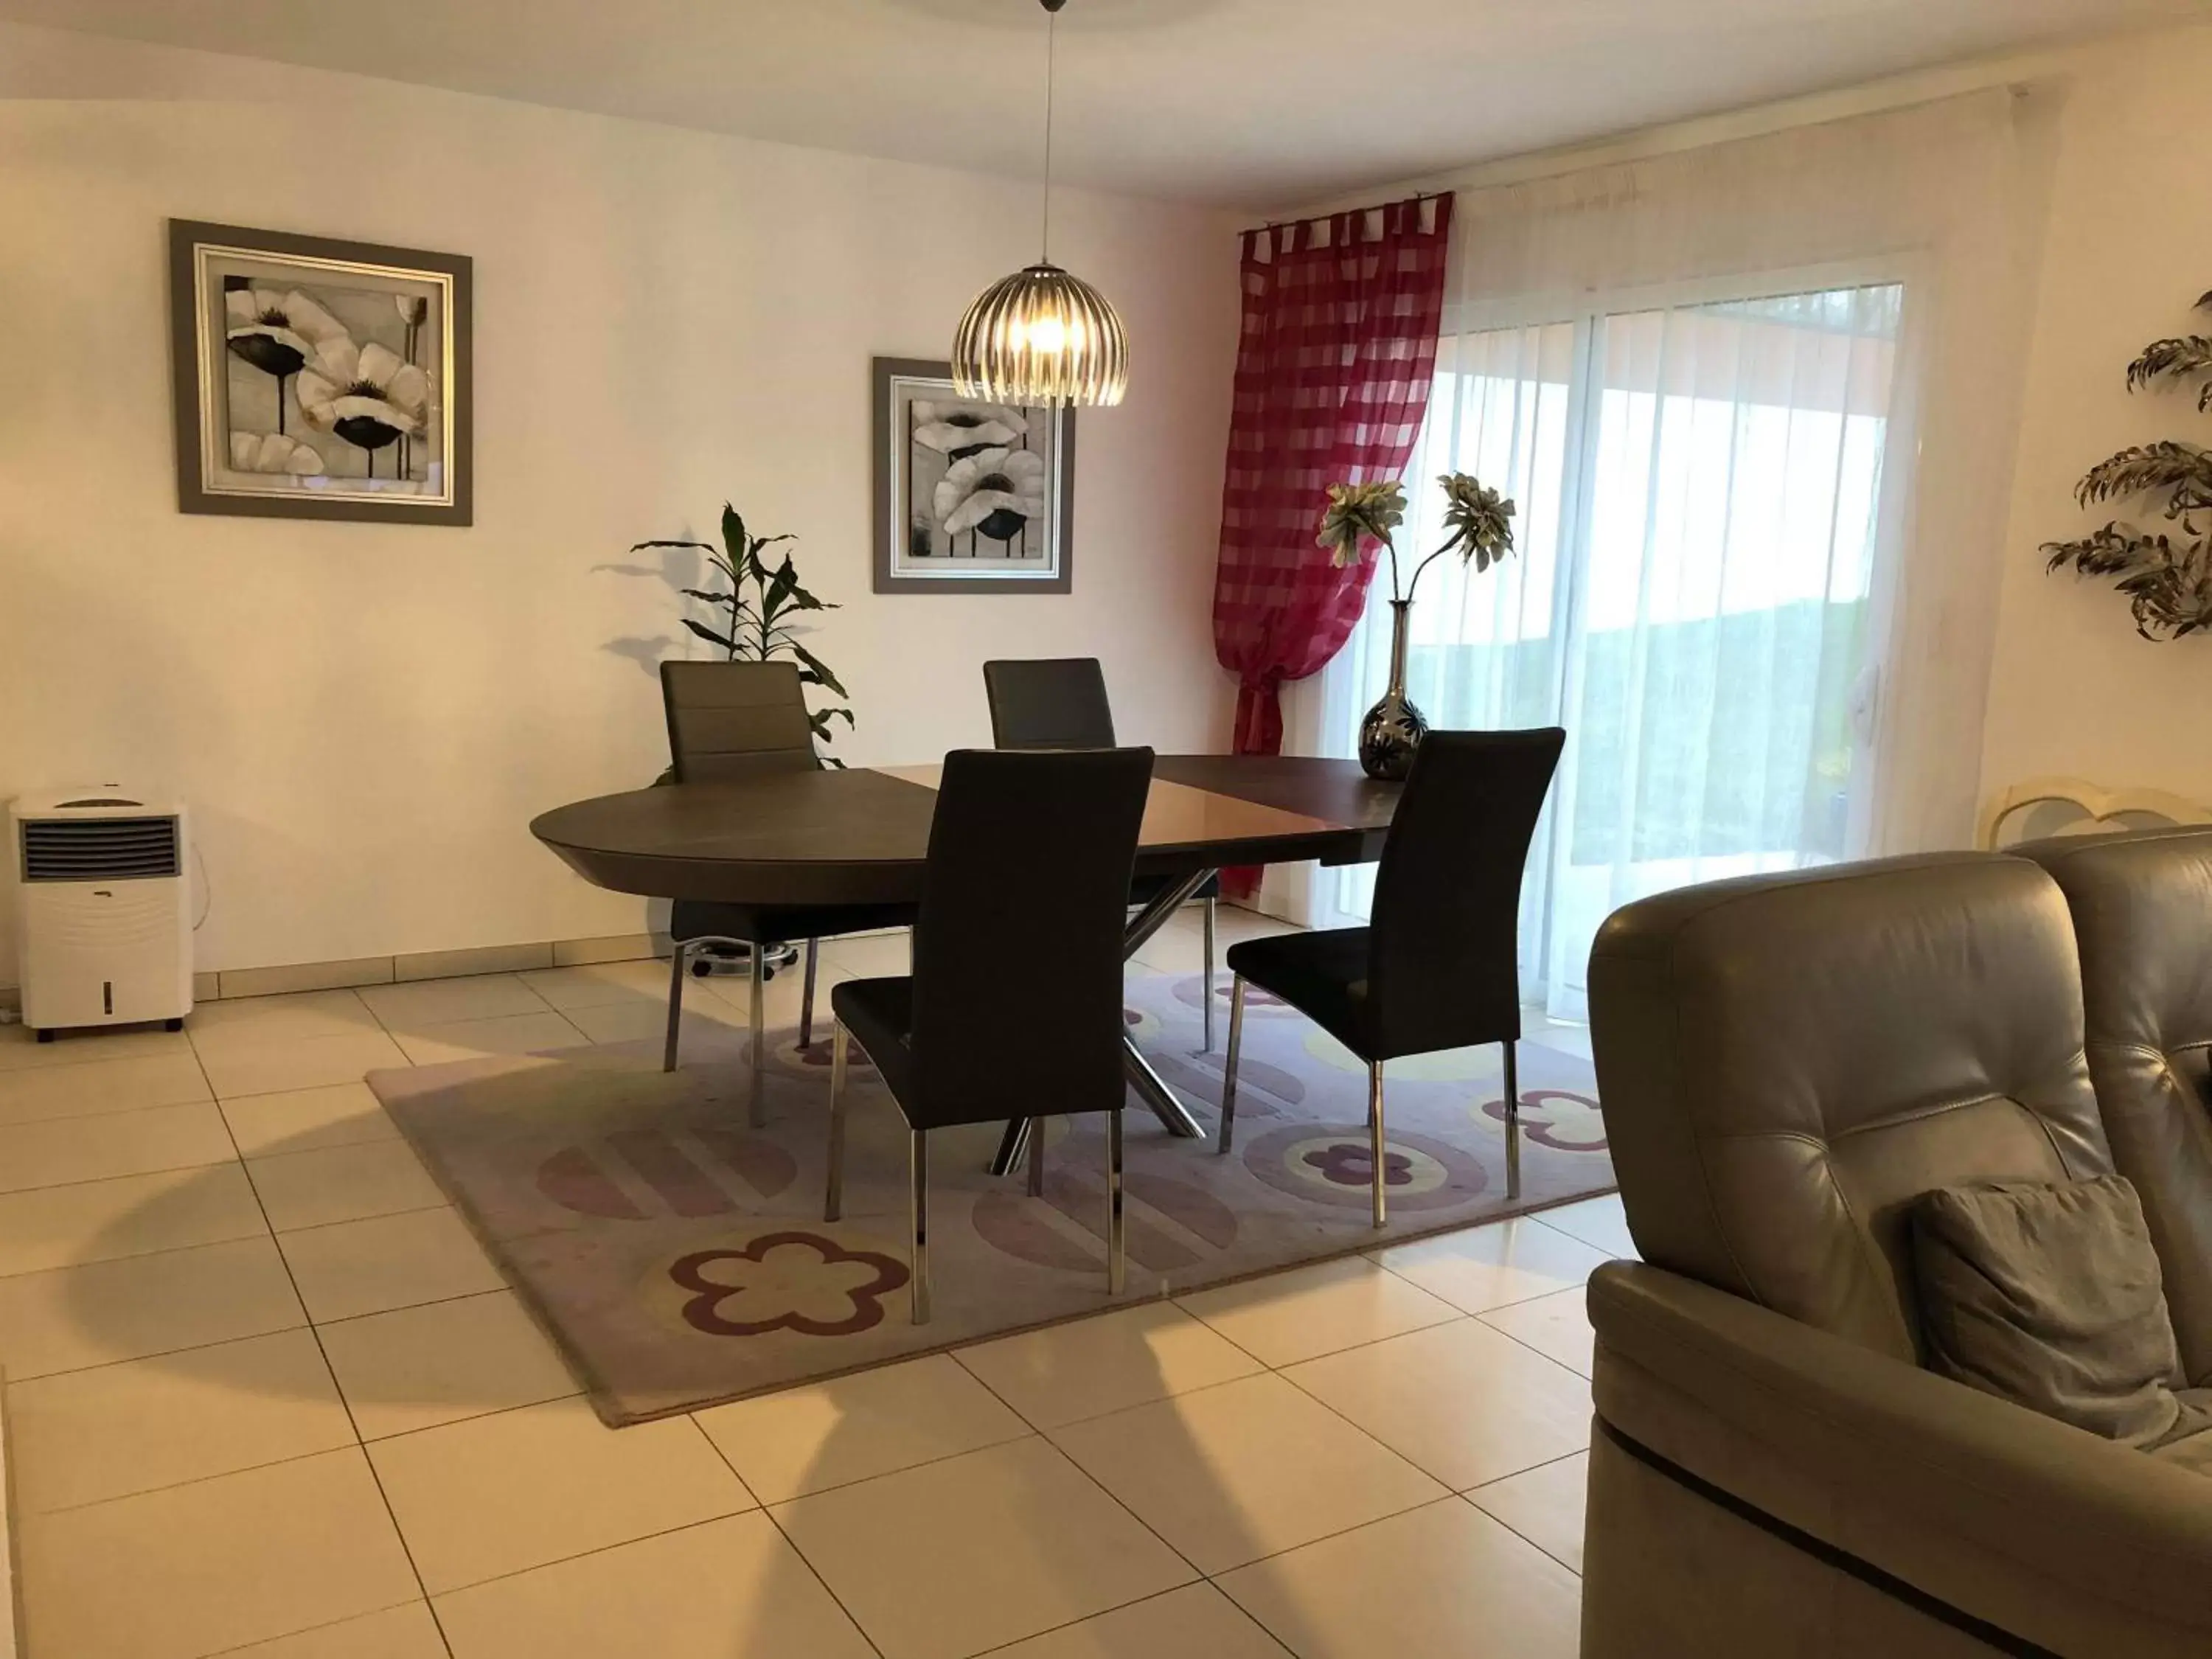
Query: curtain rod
(1373, 207)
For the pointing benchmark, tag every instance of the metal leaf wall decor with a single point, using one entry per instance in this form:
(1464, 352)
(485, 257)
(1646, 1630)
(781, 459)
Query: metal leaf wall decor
(2167, 576)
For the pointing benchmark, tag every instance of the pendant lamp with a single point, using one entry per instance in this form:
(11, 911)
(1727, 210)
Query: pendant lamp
(1041, 338)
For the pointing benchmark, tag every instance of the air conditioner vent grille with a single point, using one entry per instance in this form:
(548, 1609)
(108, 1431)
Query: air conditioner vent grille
(100, 850)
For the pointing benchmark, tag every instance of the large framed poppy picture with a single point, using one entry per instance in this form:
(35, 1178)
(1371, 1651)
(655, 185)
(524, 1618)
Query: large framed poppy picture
(971, 497)
(318, 379)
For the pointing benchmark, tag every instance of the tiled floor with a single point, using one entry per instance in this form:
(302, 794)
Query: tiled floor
(268, 1398)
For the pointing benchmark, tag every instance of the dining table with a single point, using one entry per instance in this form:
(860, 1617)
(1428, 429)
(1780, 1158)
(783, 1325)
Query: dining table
(860, 836)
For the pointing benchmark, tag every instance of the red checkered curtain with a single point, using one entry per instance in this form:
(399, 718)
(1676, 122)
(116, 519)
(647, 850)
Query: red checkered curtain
(1339, 347)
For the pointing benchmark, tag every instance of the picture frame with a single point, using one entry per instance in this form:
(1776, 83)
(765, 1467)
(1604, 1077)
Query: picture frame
(971, 497)
(316, 378)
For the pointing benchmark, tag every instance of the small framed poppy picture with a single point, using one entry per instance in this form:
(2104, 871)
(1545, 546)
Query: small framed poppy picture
(318, 379)
(971, 497)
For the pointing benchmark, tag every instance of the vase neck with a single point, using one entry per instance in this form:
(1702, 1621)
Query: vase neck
(1401, 612)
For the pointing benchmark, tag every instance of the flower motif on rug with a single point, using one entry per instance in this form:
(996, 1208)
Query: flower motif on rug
(1564, 1121)
(1332, 1166)
(787, 1281)
(1351, 1165)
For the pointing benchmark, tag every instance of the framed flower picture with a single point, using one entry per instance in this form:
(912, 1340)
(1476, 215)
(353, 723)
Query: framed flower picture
(318, 379)
(971, 497)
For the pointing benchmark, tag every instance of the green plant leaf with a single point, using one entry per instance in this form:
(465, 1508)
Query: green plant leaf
(734, 544)
(817, 671)
(2182, 468)
(704, 632)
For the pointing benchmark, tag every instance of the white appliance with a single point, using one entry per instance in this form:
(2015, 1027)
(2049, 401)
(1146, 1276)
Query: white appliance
(105, 910)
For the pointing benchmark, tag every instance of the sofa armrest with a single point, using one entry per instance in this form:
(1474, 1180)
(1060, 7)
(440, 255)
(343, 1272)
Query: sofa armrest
(1964, 1496)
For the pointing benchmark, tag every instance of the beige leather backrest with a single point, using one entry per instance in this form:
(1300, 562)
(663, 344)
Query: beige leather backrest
(1787, 1061)
(2142, 915)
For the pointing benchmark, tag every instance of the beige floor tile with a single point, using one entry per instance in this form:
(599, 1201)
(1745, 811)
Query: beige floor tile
(66, 1149)
(957, 1557)
(87, 1436)
(1555, 1326)
(706, 1020)
(1599, 1223)
(467, 1039)
(1195, 1622)
(1232, 1473)
(100, 1085)
(729, 1589)
(417, 1003)
(403, 1632)
(1446, 1579)
(248, 1022)
(1491, 1267)
(500, 1494)
(295, 1063)
(1570, 1040)
(194, 1569)
(359, 1267)
(19, 1048)
(74, 1317)
(416, 1368)
(306, 1120)
(343, 1183)
(131, 1215)
(874, 955)
(602, 984)
(1088, 1367)
(1459, 1400)
(1544, 1505)
(1310, 1311)
(853, 1428)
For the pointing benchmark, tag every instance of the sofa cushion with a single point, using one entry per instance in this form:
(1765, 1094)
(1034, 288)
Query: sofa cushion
(2050, 1296)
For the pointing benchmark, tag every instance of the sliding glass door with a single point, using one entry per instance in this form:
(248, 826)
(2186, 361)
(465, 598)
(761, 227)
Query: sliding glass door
(1700, 481)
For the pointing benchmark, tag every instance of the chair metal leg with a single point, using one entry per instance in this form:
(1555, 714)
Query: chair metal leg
(1116, 1231)
(1377, 1145)
(1210, 905)
(833, 1203)
(1512, 1120)
(1229, 1070)
(758, 972)
(1036, 1157)
(679, 959)
(918, 1160)
(807, 997)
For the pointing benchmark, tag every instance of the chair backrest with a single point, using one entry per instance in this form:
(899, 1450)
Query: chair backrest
(1787, 1062)
(1017, 1003)
(2141, 905)
(729, 721)
(1443, 956)
(1052, 703)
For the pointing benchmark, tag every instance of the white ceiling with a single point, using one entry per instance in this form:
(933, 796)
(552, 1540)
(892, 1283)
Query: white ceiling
(1250, 103)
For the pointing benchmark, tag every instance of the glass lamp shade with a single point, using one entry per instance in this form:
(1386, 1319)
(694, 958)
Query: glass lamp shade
(1041, 339)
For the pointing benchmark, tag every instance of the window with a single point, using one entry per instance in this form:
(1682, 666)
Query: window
(1700, 493)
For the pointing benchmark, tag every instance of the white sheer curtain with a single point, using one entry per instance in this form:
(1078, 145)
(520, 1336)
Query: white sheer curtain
(1756, 404)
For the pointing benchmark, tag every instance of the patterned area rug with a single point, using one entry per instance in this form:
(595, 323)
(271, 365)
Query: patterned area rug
(680, 1258)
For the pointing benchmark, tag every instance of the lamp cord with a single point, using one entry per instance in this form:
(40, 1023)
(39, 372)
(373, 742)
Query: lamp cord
(1051, 36)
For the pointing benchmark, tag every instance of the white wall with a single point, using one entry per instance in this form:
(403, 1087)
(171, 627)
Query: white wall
(364, 718)
(2074, 691)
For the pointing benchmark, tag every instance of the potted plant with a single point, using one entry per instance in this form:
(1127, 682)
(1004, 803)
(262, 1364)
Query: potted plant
(752, 620)
(1481, 523)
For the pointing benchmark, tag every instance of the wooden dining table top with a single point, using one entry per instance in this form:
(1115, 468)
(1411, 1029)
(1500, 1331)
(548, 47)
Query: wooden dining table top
(862, 836)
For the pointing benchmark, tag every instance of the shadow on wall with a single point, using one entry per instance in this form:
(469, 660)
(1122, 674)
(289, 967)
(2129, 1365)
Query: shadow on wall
(676, 570)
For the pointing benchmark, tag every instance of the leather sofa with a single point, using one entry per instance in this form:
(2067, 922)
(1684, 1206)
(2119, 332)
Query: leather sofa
(1786, 1063)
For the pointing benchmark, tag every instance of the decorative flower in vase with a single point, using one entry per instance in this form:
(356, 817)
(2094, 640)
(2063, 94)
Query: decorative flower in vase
(1479, 521)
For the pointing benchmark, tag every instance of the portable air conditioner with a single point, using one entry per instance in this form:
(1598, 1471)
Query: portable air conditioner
(106, 916)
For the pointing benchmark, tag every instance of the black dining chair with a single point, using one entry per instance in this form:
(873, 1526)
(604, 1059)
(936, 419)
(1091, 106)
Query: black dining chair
(728, 721)
(1439, 965)
(1061, 702)
(1029, 868)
